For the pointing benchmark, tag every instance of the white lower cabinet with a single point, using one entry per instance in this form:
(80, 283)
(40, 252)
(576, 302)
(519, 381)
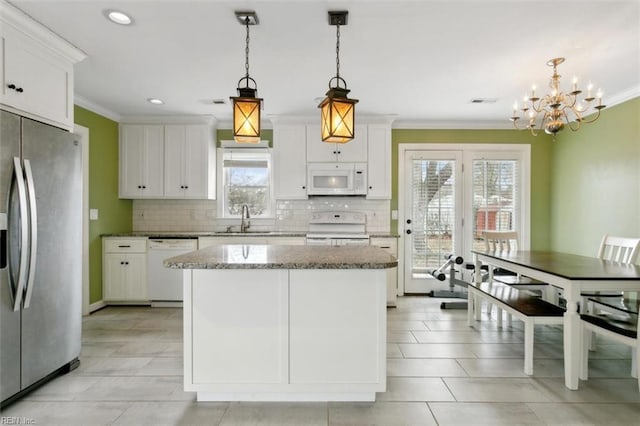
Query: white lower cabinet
(390, 244)
(286, 241)
(333, 326)
(251, 239)
(240, 342)
(124, 270)
(212, 241)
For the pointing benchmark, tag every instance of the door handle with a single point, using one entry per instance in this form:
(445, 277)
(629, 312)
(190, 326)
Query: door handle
(33, 218)
(24, 234)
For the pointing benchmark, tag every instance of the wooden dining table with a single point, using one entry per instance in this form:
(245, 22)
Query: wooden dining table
(573, 274)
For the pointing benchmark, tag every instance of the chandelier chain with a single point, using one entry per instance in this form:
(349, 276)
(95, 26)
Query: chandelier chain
(246, 49)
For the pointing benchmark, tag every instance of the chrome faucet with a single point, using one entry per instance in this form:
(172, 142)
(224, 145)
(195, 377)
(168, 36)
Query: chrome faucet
(245, 224)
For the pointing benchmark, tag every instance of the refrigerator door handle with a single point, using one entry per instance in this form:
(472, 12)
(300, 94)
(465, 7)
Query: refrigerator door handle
(33, 220)
(24, 234)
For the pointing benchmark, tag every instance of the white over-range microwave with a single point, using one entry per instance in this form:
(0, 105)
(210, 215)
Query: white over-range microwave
(336, 178)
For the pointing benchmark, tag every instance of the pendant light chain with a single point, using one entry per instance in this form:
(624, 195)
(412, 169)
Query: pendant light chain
(246, 49)
(338, 51)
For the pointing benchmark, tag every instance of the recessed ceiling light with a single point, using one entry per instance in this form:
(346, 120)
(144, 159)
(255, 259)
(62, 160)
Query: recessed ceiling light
(155, 101)
(118, 17)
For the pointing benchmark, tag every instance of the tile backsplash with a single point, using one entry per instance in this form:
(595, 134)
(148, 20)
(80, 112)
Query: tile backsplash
(290, 215)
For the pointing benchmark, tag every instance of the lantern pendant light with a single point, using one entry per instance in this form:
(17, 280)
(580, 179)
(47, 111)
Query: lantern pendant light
(246, 106)
(337, 114)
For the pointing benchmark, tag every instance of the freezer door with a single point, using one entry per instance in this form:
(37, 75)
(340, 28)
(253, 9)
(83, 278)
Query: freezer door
(51, 321)
(9, 320)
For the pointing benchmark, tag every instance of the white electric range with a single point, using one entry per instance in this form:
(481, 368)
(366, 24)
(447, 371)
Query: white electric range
(334, 228)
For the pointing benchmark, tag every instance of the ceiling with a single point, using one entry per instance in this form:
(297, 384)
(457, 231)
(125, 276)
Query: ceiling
(421, 62)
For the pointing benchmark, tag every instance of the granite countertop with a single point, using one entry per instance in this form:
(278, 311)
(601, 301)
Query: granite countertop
(261, 256)
(196, 234)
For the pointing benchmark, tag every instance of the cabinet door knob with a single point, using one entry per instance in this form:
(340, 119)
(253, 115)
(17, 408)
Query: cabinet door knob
(186, 187)
(19, 89)
(409, 221)
(144, 187)
(304, 187)
(408, 231)
(371, 187)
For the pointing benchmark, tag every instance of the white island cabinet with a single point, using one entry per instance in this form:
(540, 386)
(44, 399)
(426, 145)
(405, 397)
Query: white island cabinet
(285, 323)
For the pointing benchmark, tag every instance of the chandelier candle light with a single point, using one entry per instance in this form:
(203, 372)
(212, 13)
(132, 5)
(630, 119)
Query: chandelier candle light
(337, 111)
(246, 106)
(552, 111)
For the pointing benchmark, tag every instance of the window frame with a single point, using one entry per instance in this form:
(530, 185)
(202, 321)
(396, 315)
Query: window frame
(222, 199)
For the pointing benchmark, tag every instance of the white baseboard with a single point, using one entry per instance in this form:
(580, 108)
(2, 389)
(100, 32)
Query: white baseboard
(97, 305)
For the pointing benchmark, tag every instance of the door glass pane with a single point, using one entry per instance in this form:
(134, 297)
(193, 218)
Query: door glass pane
(433, 212)
(495, 206)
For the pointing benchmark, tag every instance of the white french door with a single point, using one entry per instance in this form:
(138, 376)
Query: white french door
(448, 197)
(432, 214)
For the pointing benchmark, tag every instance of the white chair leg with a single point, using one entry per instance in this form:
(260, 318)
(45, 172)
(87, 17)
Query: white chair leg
(636, 351)
(478, 308)
(590, 340)
(585, 338)
(634, 362)
(528, 347)
(489, 309)
(509, 319)
(499, 316)
(470, 308)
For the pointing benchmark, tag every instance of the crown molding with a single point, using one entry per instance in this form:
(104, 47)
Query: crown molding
(29, 27)
(624, 96)
(93, 107)
(453, 124)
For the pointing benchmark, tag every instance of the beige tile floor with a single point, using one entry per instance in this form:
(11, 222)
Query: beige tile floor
(440, 371)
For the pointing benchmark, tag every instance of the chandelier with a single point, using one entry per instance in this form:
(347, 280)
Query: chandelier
(246, 106)
(552, 111)
(337, 113)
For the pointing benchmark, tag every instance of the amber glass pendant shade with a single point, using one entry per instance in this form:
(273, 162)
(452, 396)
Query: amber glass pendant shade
(337, 116)
(246, 119)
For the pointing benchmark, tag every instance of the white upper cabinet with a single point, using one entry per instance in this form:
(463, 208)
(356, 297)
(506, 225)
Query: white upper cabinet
(167, 161)
(379, 162)
(189, 161)
(141, 161)
(319, 151)
(289, 161)
(36, 70)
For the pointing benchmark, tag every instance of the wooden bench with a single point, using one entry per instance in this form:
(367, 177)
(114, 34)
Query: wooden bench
(521, 304)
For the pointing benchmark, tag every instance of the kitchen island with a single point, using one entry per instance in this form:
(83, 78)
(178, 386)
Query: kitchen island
(284, 323)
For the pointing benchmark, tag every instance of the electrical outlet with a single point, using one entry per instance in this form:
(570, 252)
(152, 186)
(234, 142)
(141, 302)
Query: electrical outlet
(394, 214)
(93, 214)
(139, 214)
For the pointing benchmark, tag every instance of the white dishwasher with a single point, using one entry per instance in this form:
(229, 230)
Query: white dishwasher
(165, 284)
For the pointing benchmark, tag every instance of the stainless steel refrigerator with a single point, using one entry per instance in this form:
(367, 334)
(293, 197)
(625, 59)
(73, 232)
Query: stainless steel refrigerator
(41, 254)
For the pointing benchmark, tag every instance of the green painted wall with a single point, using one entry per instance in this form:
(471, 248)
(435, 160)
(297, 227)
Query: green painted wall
(114, 215)
(540, 161)
(227, 135)
(595, 181)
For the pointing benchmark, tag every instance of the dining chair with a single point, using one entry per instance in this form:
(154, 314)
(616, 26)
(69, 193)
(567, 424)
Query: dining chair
(507, 241)
(617, 249)
(621, 327)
